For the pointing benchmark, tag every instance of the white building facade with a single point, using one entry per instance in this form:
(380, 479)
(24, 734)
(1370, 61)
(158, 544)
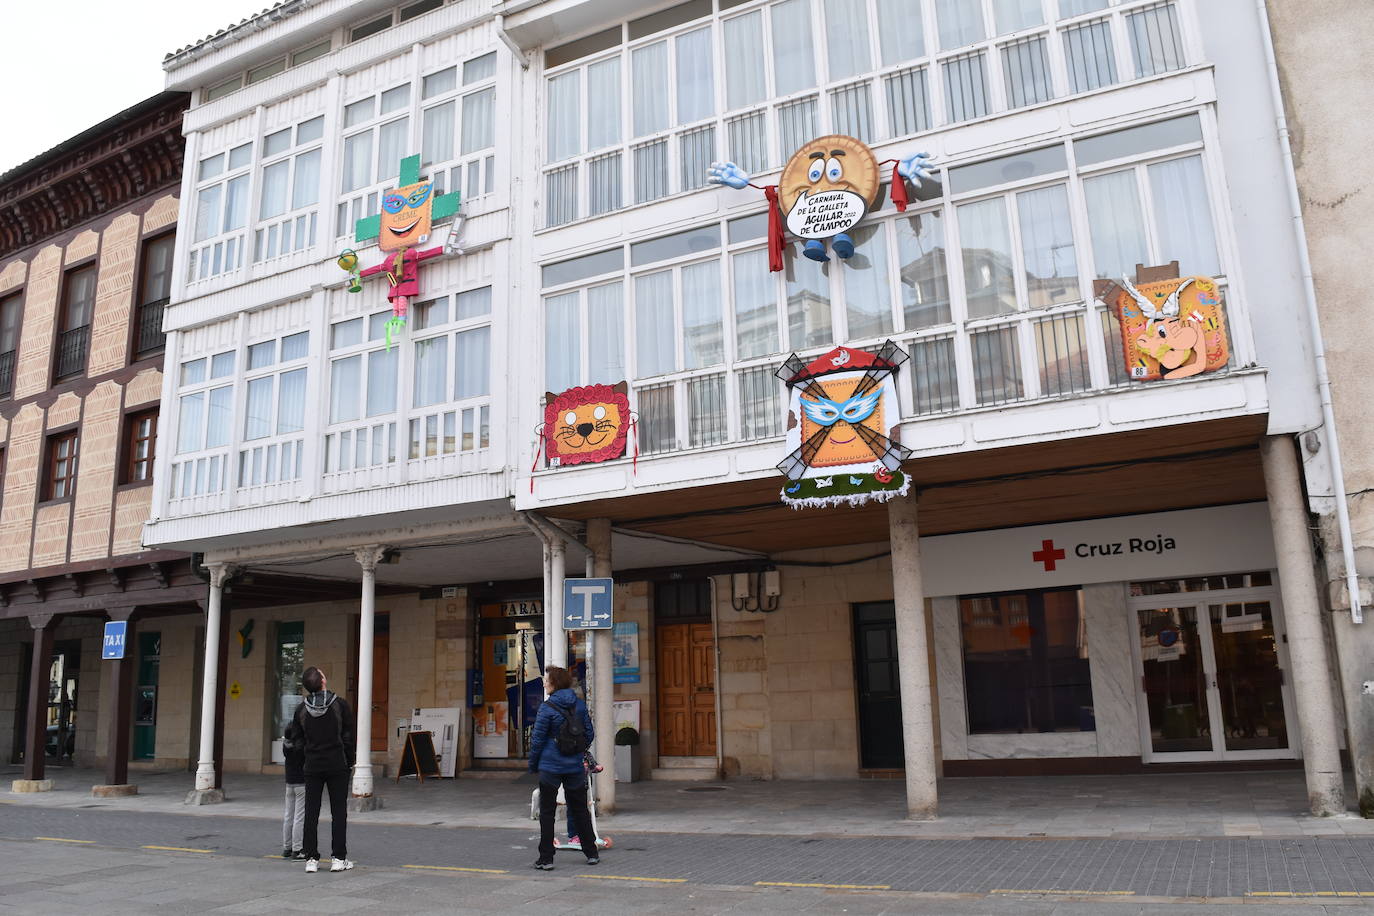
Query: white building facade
(1115, 571)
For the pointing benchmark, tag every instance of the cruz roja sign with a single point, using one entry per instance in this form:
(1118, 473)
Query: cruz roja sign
(113, 645)
(587, 604)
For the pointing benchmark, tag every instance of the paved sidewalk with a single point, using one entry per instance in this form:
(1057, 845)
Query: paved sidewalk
(93, 862)
(1245, 804)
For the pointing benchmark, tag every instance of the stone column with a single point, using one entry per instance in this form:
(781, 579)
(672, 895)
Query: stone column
(362, 797)
(1306, 633)
(918, 736)
(36, 728)
(555, 640)
(207, 791)
(120, 714)
(603, 687)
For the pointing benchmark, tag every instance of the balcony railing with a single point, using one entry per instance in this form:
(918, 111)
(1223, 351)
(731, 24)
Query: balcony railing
(72, 348)
(6, 374)
(150, 335)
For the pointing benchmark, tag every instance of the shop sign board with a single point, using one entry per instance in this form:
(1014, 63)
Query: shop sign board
(1158, 545)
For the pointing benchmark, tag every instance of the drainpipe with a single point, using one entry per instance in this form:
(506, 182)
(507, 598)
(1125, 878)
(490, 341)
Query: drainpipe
(555, 540)
(715, 641)
(1352, 582)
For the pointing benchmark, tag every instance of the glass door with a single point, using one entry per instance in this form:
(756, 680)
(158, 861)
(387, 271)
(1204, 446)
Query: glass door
(1176, 675)
(1211, 665)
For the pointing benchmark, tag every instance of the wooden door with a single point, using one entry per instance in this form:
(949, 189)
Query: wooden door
(381, 688)
(686, 690)
(701, 654)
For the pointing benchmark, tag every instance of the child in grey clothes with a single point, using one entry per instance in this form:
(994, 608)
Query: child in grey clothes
(293, 815)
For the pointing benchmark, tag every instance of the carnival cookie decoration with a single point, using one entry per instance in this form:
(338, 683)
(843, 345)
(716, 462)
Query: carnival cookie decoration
(842, 427)
(1172, 327)
(586, 424)
(826, 189)
(406, 222)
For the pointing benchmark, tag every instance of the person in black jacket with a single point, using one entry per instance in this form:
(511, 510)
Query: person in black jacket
(293, 815)
(326, 721)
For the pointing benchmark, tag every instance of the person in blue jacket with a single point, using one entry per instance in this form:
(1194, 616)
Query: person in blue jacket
(558, 768)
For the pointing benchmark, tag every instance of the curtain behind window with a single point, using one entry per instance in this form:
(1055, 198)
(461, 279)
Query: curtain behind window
(291, 402)
(794, 64)
(1115, 224)
(606, 334)
(562, 342)
(655, 340)
(744, 60)
(1183, 216)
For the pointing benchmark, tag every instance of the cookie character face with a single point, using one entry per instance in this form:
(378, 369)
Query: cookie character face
(407, 215)
(586, 424)
(827, 186)
(841, 413)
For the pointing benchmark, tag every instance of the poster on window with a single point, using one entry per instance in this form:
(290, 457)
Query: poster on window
(827, 187)
(489, 730)
(625, 652)
(1172, 327)
(587, 424)
(842, 428)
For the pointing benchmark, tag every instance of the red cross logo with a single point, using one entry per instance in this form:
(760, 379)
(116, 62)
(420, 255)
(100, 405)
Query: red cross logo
(1048, 554)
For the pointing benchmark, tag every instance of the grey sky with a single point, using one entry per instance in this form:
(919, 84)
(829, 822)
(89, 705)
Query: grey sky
(70, 65)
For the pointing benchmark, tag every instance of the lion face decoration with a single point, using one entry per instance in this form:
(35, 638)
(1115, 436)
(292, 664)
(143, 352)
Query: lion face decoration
(587, 424)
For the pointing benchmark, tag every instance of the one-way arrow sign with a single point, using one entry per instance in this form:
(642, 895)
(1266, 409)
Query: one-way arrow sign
(587, 604)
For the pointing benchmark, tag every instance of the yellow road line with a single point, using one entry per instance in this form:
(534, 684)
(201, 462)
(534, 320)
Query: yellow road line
(1310, 894)
(177, 849)
(482, 871)
(1074, 893)
(62, 839)
(830, 886)
(636, 878)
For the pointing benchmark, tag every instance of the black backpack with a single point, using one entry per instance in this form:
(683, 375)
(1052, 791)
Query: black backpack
(571, 736)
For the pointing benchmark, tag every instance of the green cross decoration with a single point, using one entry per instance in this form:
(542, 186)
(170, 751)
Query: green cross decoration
(444, 206)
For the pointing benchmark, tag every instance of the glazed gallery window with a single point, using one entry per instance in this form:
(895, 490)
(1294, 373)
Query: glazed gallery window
(458, 122)
(221, 212)
(275, 402)
(637, 112)
(362, 383)
(376, 136)
(1026, 663)
(289, 190)
(206, 404)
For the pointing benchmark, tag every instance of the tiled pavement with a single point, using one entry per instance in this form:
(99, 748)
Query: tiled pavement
(1245, 804)
(1219, 867)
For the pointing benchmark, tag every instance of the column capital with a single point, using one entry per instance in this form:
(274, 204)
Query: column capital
(40, 621)
(120, 613)
(369, 556)
(220, 573)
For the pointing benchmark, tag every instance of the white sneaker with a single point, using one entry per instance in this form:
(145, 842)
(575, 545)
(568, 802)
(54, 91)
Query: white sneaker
(312, 866)
(341, 865)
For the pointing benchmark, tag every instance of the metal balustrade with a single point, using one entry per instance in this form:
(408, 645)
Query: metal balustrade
(72, 349)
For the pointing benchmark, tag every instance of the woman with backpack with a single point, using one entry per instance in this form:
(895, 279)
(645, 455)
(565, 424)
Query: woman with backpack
(562, 733)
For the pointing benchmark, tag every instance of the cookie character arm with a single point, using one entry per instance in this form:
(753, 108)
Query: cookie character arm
(728, 174)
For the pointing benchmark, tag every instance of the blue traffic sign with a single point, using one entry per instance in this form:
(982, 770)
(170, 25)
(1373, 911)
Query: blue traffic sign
(113, 646)
(587, 604)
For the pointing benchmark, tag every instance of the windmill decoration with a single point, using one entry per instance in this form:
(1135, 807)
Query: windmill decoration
(842, 420)
(1172, 327)
(405, 223)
